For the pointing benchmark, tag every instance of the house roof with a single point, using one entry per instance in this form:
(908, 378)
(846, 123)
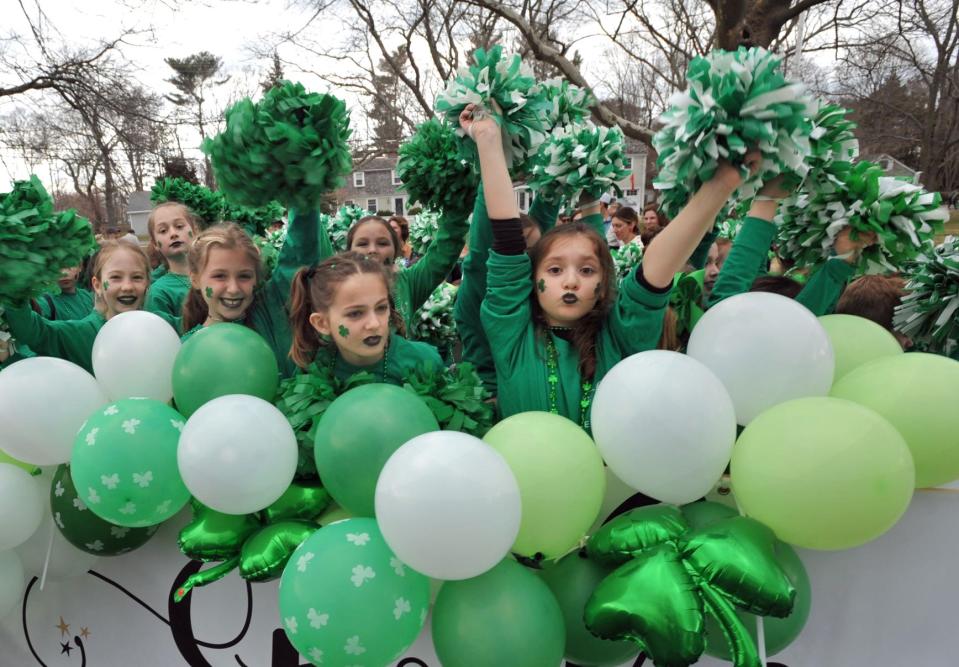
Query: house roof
(139, 201)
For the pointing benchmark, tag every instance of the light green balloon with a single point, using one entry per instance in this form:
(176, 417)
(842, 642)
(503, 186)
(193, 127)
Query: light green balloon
(345, 599)
(560, 476)
(917, 393)
(29, 467)
(823, 473)
(124, 463)
(856, 341)
(506, 616)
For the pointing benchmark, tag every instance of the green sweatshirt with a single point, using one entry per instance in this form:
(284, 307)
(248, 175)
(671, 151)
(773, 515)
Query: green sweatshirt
(401, 357)
(469, 296)
(71, 340)
(633, 325)
(74, 306)
(167, 294)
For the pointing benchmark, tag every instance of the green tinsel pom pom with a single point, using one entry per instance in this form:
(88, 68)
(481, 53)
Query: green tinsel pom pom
(36, 242)
(432, 170)
(290, 146)
(736, 100)
(902, 214)
(579, 158)
(254, 219)
(929, 313)
(626, 258)
(506, 89)
(339, 225)
(569, 104)
(423, 229)
(433, 322)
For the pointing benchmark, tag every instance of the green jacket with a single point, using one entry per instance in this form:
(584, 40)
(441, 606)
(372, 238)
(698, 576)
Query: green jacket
(633, 325)
(71, 340)
(74, 306)
(167, 294)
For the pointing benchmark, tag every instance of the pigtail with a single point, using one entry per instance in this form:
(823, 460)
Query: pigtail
(305, 338)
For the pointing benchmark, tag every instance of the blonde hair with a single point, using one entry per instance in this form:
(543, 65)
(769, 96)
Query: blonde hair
(227, 236)
(110, 248)
(155, 256)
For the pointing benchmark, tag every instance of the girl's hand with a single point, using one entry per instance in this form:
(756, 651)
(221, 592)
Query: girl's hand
(731, 177)
(477, 124)
(851, 249)
(773, 189)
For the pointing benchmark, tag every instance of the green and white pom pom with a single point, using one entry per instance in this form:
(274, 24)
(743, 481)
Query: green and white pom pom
(339, 225)
(423, 229)
(505, 88)
(736, 100)
(569, 104)
(929, 313)
(254, 219)
(433, 322)
(205, 204)
(432, 170)
(626, 258)
(902, 214)
(290, 146)
(36, 242)
(270, 245)
(834, 147)
(579, 158)
(6, 336)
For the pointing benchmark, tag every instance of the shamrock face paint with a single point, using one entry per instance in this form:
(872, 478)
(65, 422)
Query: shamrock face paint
(344, 332)
(227, 283)
(541, 285)
(209, 292)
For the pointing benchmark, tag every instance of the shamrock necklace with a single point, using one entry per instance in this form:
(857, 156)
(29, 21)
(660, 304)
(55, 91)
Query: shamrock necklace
(552, 377)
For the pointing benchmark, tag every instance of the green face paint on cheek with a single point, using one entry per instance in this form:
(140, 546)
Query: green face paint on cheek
(209, 292)
(541, 285)
(106, 285)
(344, 332)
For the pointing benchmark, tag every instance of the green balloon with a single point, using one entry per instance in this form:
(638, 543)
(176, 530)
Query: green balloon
(560, 476)
(823, 473)
(302, 500)
(346, 599)
(84, 529)
(124, 463)
(856, 341)
(267, 552)
(916, 393)
(506, 616)
(704, 513)
(358, 433)
(223, 359)
(573, 580)
(214, 535)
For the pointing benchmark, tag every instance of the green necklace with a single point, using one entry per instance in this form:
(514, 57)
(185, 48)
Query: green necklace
(552, 368)
(386, 355)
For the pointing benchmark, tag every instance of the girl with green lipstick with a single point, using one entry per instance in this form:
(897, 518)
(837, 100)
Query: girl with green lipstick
(172, 229)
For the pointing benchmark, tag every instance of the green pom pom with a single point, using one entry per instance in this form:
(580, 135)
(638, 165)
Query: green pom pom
(736, 100)
(254, 219)
(569, 104)
(433, 322)
(291, 146)
(834, 147)
(929, 313)
(205, 204)
(626, 258)
(456, 396)
(36, 243)
(270, 245)
(432, 170)
(339, 225)
(423, 229)
(505, 88)
(579, 158)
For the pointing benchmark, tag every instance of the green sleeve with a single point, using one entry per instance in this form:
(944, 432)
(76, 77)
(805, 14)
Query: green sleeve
(746, 260)
(71, 340)
(163, 301)
(596, 222)
(701, 253)
(469, 296)
(636, 321)
(506, 310)
(824, 287)
(544, 212)
(440, 258)
(44, 303)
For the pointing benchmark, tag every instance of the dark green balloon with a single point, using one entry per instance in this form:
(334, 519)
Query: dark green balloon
(84, 529)
(214, 535)
(223, 359)
(573, 580)
(507, 616)
(265, 554)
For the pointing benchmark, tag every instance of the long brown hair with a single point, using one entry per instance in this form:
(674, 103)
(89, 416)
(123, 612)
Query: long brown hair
(314, 290)
(397, 244)
(628, 215)
(227, 236)
(587, 328)
(156, 257)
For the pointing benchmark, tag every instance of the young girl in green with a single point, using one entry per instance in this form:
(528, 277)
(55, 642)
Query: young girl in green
(225, 270)
(343, 315)
(553, 319)
(172, 229)
(121, 275)
(71, 303)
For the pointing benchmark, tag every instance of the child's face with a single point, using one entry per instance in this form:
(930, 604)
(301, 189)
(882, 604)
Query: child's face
(373, 239)
(172, 233)
(122, 283)
(226, 283)
(68, 279)
(358, 320)
(569, 280)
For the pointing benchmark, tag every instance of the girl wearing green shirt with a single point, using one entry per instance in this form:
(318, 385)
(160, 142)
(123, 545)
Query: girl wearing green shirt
(553, 319)
(172, 229)
(72, 303)
(342, 313)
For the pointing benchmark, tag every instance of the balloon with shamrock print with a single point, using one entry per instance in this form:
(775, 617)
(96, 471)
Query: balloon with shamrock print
(84, 529)
(124, 463)
(346, 599)
(670, 576)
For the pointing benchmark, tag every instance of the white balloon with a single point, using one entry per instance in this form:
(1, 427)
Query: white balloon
(43, 403)
(133, 356)
(665, 425)
(237, 454)
(13, 581)
(448, 505)
(766, 349)
(21, 505)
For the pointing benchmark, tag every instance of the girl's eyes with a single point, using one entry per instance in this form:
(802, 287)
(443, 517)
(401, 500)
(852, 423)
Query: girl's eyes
(554, 270)
(384, 242)
(383, 308)
(588, 270)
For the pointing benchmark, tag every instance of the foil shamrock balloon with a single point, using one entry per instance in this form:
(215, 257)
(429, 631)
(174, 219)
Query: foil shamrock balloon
(670, 576)
(258, 544)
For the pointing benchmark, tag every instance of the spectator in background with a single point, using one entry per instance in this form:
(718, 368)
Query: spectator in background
(875, 298)
(625, 226)
(401, 226)
(718, 252)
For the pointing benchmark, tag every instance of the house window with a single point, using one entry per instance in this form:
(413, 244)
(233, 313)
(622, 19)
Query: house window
(349, 202)
(359, 179)
(631, 193)
(396, 180)
(398, 207)
(522, 200)
(886, 164)
(371, 205)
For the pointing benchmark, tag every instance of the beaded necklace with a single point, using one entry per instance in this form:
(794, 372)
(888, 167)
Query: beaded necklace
(586, 388)
(386, 355)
